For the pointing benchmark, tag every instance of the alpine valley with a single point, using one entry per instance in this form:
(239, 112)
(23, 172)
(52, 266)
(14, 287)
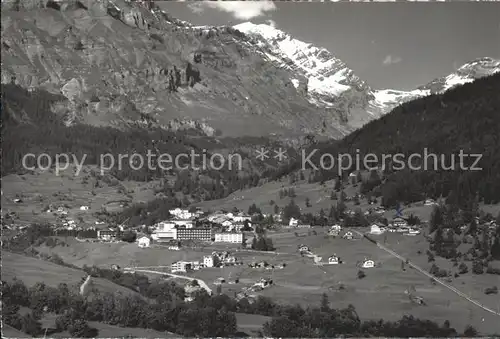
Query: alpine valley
(226, 230)
(120, 63)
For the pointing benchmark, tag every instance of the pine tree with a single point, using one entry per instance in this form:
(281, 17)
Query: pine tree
(359, 177)
(325, 303)
(436, 218)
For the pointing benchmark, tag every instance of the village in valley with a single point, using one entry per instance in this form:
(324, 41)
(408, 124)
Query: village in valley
(345, 245)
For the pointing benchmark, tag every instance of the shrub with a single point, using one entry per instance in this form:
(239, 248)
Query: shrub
(129, 236)
(491, 290)
(462, 268)
(361, 274)
(477, 267)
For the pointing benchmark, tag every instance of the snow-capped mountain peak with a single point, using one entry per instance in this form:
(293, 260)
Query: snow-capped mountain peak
(466, 73)
(327, 75)
(329, 81)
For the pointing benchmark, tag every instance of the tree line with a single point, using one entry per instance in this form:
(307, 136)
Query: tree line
(462, 119)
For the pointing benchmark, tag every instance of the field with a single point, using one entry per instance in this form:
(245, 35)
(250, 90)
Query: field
(319, 198)
(10, 332)
(381, 294)
(32, 270)
(39, 189)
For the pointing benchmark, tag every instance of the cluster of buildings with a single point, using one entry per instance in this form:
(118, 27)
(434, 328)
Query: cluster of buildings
(266, 265)
(335, 230)
(109, 234)
(216, 259)
(182, 227)
(398, 225)
(377, 210)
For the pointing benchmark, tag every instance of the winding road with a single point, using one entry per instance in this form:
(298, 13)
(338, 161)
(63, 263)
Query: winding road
(202, 283)
(421, 270)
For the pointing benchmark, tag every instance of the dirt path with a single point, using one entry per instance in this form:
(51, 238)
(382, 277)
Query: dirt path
(418, 268)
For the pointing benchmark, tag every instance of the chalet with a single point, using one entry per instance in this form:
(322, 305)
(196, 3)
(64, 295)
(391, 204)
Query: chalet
(229, 260)
(303, 248)
(376, 229)
(336, 227)
(413, 231)
(84, 208)
(184, 266)
(180, 213)
(399, 222)
(429, 202)
(333, 232)
(293, 222)
(333, 260)
(241, 217)
(209, 261)
(180, 266)
(107, 235)
(219, 281)
(143, 242)
(227, 223)
(184, 223)
(348, 235)
(263, 283)
(368, 263)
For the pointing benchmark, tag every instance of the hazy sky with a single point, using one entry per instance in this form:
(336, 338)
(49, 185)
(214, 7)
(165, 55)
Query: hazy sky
(389, 45)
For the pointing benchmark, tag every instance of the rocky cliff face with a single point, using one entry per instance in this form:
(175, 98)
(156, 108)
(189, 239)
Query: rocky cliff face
(120, 63)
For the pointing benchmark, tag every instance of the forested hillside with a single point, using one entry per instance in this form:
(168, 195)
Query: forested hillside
(29, 125)
(466, 118)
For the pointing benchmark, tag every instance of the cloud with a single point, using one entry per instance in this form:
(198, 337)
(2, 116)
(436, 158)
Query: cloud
(196, 7)
(271, 23)
(243, 10)
(391, 60)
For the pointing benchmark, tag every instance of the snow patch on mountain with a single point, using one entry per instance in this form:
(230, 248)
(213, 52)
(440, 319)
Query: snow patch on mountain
(329, 79)
(327, 75)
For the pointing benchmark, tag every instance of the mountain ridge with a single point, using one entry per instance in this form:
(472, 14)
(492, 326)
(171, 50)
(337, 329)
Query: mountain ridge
(328, 83)
(139, 65)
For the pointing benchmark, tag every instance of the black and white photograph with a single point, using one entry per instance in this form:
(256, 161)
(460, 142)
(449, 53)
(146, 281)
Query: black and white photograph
(260, 169)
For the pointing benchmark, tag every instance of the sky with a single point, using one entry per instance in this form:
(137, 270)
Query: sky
(388, 45)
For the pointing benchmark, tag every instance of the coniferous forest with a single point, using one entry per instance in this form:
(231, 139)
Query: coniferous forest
(465, 118)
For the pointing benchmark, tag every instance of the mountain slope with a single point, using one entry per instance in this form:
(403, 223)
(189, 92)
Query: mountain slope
(121, 63)
(466, 73)
(330, 83)
(463, 119)
(115, 60)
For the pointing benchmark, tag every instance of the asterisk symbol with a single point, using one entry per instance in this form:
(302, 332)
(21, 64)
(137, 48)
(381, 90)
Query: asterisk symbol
(262, 154)
(280, 154)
